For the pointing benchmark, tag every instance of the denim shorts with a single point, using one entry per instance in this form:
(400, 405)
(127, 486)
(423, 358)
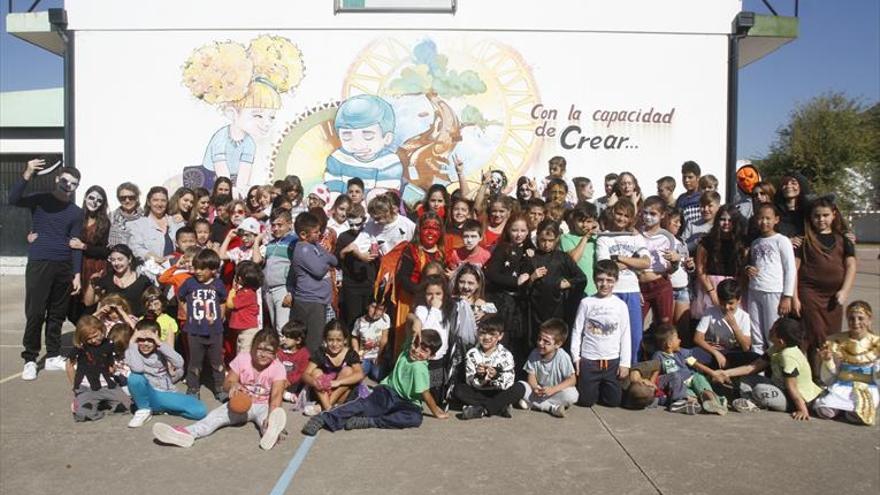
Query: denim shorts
(681, 295)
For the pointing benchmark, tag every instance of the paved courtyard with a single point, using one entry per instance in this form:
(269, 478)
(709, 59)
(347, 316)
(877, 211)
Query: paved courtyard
(591, 451)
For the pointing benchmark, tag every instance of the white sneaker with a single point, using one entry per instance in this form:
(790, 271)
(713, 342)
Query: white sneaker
(277, 421)
(522, 404)
(57, 363)
(141, 416)
(557, 410)
(312, 410)
(288, 396)
(30, 371)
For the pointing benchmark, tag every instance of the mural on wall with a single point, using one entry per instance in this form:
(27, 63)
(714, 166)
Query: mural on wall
(246, 84)
(409, 111)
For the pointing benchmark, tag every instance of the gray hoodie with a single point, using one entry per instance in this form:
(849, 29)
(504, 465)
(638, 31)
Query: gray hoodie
(155, 365)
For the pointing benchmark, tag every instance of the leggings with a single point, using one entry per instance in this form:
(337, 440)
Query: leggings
(222, 416)
(158, 401)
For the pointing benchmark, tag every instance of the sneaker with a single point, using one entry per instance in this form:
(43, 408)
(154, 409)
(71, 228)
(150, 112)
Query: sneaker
(141, 416)
(507, 412)
(359, 423)
(30, 371)
(173, 435)
(288, 397)
(221, 397)
(743, 405)
(472, 412)
(715, 406)
(313, 426)
(522, 404)
(692, 408)
(557, 411)
(193, 392)
(312, 410)
(277, 421)
(678, 406)
(56, 363)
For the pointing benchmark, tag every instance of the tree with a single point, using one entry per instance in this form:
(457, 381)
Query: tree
(429, 75)
(833, 141)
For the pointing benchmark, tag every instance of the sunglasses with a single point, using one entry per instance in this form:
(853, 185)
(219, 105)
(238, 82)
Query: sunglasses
(131, 197)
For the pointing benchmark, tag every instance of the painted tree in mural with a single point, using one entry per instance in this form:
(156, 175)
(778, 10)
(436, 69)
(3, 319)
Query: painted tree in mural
(429, 75)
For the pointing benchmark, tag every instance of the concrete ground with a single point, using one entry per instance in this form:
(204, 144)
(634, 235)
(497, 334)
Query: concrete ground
(600, 450)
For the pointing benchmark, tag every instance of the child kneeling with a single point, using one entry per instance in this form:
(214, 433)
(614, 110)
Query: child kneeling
(396, 402)
(90, 367)
(550, 386)
(259, 375)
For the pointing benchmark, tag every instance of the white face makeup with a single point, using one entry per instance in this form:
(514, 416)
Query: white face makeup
(94, 201)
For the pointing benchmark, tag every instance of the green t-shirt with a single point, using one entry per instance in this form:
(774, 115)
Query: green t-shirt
(791, 362)
(409, 378)
(588, 259)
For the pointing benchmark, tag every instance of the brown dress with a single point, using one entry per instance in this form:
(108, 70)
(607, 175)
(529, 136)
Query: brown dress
(820, 277)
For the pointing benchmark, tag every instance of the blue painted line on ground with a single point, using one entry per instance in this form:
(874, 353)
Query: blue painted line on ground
(286, 478)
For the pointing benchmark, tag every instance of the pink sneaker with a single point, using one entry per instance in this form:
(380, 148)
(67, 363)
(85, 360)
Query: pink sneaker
(173, 435)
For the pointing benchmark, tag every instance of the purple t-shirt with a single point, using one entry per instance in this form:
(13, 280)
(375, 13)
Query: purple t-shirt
(203, 303)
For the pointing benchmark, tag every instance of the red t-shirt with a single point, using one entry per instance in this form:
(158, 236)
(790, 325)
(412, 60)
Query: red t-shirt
(479, 257)
(295, 363)
(247, 312)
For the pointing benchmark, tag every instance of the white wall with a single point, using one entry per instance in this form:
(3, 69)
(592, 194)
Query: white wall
(655, 16)
(136, 120)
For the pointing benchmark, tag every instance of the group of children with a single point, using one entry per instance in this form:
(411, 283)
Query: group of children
(360, 316)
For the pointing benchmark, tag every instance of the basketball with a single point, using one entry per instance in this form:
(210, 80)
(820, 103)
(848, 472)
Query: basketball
(240, 403)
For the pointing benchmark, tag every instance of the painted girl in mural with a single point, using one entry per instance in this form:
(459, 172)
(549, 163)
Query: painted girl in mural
(246, 84)
(365, 126)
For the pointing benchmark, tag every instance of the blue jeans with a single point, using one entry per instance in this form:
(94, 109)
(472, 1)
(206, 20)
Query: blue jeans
(146, 397)
(371, 369)
(383, 406)
(633, 302)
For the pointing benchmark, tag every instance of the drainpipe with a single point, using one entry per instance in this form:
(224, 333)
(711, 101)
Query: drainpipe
(742, 23)
(58, 19)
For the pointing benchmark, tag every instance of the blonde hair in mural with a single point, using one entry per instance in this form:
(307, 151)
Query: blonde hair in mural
(254, 77)
(247, 84)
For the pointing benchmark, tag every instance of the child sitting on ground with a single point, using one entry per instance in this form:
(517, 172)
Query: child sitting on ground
(259, 375)
(294, 355)
(723, 335)
(90, 370)
(850, 362)
(334, 371)
(155, 368)
(791, 387)
(369, 338)
(680, 365)
(397, 401)
(488, 389)
(551, 380)
(120, 335)
(600, 341)
(113, 309)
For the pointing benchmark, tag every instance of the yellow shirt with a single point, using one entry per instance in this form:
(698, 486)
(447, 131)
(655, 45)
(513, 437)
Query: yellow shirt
(791, 362)
(167, 326)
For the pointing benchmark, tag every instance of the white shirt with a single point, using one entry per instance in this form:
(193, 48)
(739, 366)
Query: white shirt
(657, 245)
(337, 227)
(718, 332)
(601, 330)
(391, 234)
(433, 319)
(626, 245)
(774, 258)
(679, 278)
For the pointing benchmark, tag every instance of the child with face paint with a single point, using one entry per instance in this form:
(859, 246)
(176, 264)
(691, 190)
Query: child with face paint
(654, 281)
(427, 246)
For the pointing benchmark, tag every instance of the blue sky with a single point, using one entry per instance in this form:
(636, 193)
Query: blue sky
(838, 50)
